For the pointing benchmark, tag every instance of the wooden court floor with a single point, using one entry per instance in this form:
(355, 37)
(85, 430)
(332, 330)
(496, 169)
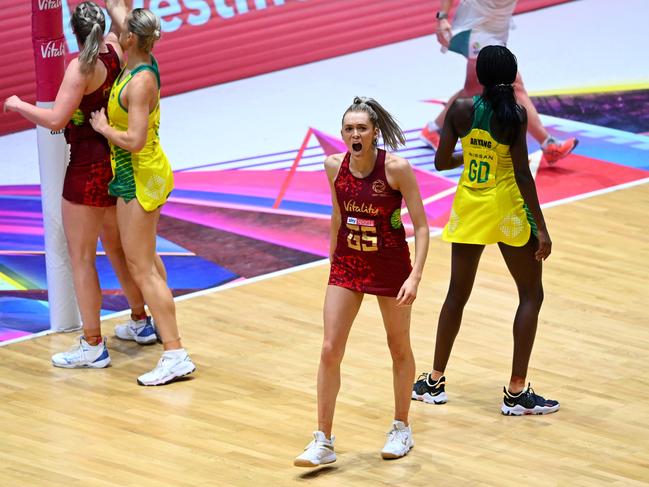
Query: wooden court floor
(250, 408)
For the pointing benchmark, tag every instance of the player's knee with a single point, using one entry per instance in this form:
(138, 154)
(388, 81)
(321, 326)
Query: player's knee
(399, 348)
(138, 272)
(82, 257)
(331, 353)
(456, 299)
(112, 247)
(533, 297)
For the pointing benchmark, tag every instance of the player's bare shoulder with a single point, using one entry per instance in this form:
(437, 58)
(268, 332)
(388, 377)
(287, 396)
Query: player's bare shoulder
(396, 164)
(397, 170)
(332, 164)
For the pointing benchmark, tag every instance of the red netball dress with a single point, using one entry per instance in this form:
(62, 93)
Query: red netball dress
(89, 171)
(371, 253)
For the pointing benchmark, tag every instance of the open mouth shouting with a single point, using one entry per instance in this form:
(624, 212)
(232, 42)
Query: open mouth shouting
(357, 147)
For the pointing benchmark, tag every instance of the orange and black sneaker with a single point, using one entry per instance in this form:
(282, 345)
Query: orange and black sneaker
(555, 150)
(527, 402)
(430, 136)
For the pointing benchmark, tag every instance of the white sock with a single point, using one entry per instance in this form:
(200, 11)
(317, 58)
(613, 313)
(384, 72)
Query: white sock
(178, 353)
(432, 126)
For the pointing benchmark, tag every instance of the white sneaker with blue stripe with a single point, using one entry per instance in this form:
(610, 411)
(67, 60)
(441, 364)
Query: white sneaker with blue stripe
(83, 355)
(140, 331)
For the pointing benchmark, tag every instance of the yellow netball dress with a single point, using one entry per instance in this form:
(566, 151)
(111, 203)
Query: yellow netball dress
(488, 206)
(145, 175)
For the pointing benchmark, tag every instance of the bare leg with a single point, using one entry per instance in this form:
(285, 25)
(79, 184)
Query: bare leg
(138, 234)
(159, 265)
(340, 309)
(534, 125)
(526, 271)
(82, 224)
(471, 87)
(110, 239)
(397, 327)
(464, 265)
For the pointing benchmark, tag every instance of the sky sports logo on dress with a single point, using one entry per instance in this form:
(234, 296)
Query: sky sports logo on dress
(48, 4)
(52, 49)
(176, 14)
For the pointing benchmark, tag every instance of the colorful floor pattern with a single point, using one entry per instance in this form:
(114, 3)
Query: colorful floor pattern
(239, 219)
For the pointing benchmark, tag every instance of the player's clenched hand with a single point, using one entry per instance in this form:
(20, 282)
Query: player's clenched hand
(11, 103)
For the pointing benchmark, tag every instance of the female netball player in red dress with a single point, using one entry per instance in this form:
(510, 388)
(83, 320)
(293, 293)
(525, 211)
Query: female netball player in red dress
(369, 255)
(88, 211)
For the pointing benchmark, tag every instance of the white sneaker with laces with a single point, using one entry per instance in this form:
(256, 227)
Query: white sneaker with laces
(172, 364)
(83, 355)
(319, 452)
(140, 331)
(399, 441)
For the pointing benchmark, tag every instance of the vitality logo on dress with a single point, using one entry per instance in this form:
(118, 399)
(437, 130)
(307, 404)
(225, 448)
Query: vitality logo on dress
(352, 207)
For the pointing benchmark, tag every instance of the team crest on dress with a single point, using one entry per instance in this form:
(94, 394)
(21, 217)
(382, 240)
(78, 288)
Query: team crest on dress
(378, 186)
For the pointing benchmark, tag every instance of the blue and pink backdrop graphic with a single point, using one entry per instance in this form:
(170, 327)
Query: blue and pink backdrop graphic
(237, 219)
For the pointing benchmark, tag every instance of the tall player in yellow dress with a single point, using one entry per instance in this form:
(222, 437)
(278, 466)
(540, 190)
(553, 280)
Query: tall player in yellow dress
(142, 181)
(495, 202)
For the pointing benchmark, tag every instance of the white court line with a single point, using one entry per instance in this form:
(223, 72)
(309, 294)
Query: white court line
(26, 337)
(598, 192)
(434, 233)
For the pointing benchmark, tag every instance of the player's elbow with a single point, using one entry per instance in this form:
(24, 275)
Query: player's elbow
(136, 144)
(440, 164)
(137, 147)
(55, 124)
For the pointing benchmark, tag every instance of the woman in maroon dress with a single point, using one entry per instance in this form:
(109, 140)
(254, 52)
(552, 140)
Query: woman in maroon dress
(369, 255)
(87, 209)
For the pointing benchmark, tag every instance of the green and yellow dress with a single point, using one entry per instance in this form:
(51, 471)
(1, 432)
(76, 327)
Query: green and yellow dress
(488, 206)
(145, 175)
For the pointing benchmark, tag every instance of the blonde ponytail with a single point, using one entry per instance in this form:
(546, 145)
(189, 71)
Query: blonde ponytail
(90, 51)
(88, 24)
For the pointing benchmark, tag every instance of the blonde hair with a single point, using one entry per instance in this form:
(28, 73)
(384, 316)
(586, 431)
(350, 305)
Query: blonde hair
(146, 25)
(88, 24)
(390, 131)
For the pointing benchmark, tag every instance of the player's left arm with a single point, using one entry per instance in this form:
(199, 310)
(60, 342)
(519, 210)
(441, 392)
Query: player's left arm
(67, 101)
(141, 91)
(402, 177)
(527, 187)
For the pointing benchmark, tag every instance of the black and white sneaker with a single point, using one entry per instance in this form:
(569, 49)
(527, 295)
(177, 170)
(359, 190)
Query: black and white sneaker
(433, 393)
(527, 402)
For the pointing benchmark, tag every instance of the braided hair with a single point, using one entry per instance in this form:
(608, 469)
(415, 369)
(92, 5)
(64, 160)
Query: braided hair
(88, 24)
(496, 68)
